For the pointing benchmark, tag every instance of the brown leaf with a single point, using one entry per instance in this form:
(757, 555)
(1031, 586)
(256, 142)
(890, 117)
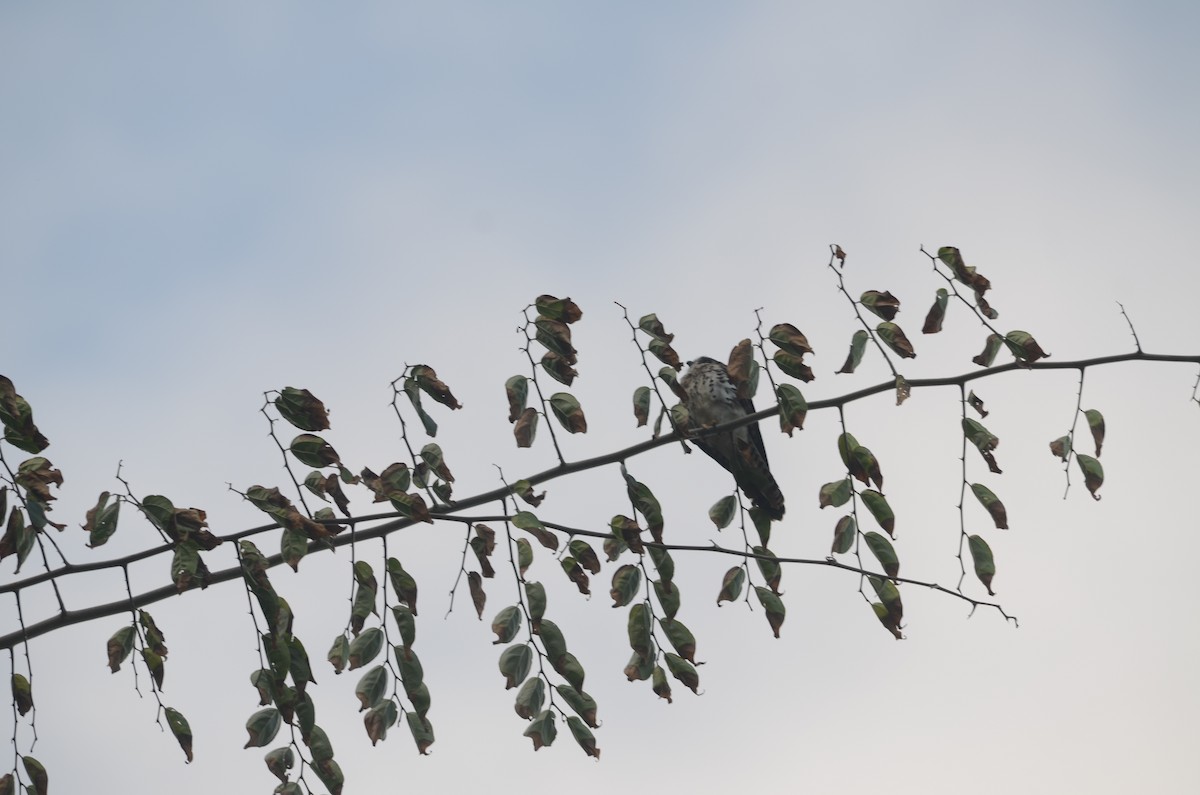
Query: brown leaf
(526, 427)
(478, 597)
(428, 380)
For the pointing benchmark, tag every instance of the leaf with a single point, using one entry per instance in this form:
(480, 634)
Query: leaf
(555, 336)
(100, 522)
(339, 653)
(429, 383)
(22, 694)
(660, 685)
(668, 596)
(1061, 448)
(625, 584)
(302, 409)
(528, 522)
(412, 673)
(180, 728)
(858, 346)
(654, 327)
(884, 552)
(790, 339)
(583, 704)
(680, 637)
(530, 698)
(422, 731)
(524, 555)
(524, 490)
(882, 305)
(985, 566)
(262, 727)
(984, 441)
(279, 761)
(405, 623)
(379, 719)
(515, 662)
(568, 412)
(937, 312)
(583, 552)
(639, 628)
(627, 531)
(992, 504)
(793, 365)
(372, 688)
(1093, 473)
(990, 349)
(583, 736)
(878, 506)
(865, 467)
(517, 391)
(576, 574)
(773, 605)
(293, 545)
(403, 584)
(366, 647)
(570, 669)
(526, 428)
(836, 493)
(478, 597)
(558, 368)
(793, 408)
(663, 351)
(843, 534)
(683, 670)
(893, 336)
(976, 403)
(541, 729)
(641, 405)
(768, 566)
(17, 417)
(1024, 347)
(731, 585)
(1095, 422)
(563, 309)
(889, 600)
(722, 511)
(313, 451)
(535, 602)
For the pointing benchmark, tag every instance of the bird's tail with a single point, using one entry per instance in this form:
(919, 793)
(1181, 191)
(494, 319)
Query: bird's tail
(756, 481)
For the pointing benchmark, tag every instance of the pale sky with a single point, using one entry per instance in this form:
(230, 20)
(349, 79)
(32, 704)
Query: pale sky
(200, 204)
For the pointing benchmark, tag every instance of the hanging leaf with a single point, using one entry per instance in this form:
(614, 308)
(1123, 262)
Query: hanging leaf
(302, 409)
(100, 522)
(683, 670)
(515, 662)
(836, 493)
(722, 511)
(506, 624)
(882, 305)
(654, 327)
(422, 731)
(478, 597)
(403, 584)
(1024, 347)
(558, 368)
(992, 504)
(640, 629)
(625, 584)
(517, 391)
(884, 552)
(541, 729)
(646, 504)
(731, 585)
(668, 596)
(583, 736)
(563, 309)
(262, 727)
(641, 405)
(555, 336)
(680, 637)
(528, 522)
(937, 313)
(279, 761)
(431, 385)
(663, 351)
(985, 566)
(843, 534)
(379, 719)
(877, 504)
(1095, 422)
(768, 566)
(660, 685)
(865, 467)
(990, 349)
(793, 408)
(1093, 473)
(893, 336)
(180, 728)
(984, 441)
(530, 698)
(372, 688)
(366, 647)
(858, 346)
(789, 339)
(793, 365)
(776, 612)
(568, 412)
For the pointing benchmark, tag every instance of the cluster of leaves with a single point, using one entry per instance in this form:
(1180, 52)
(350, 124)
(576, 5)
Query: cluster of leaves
(551, 329)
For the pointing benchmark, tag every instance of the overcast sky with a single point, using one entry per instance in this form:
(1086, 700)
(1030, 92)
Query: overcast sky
(198, 204)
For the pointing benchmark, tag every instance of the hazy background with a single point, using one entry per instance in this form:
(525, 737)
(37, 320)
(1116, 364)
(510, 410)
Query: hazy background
(200, 204)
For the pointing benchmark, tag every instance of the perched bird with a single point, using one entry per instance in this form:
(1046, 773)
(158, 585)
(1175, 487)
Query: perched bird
(712, 400)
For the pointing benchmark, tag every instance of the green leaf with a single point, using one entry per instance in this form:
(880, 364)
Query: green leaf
(379, 719)
(570, 669)
(625, 584)
(1093, 473)
(422, 731)
(583, 704)
(937, 312)
(583, 736)
(793, 408)
(789, 339)
(985, 566)
(535, 601)
(668, 596)
(884, 552)
(412, 673)
(680, 637)
(663, 562)
(1024, 347)
(22, 694)
(366, 647)
(339, 653)
(568, 412)
(843, 534)
(180, 728)
(731, 585)
(990, 348)
(646, 503)
(528, 522)
(302, 409)
(1095, 421)
(641, 405)
(101, 521)
(293, 545)
(877, 504)
(517, 390)
(768, 566)
(403, 584)
(893, 336)
(723, 511)
(858, 346)
(524, 555)
(683, 671)
(515, 662)
(558, 368)
(541, 729)
(552, 639)
(773, 605)
(836, 493)
(563, 309)
(262, 727)
(372, 687)
(279, 761)
(991, 504)
(119, 646)
(587, 557)
(793, 365)
(506, 624)
(313, 451)
(530, 698)
(640, 629)
(883, 305)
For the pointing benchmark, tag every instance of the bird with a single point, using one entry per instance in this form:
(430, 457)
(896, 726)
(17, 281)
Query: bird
(712, 400)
